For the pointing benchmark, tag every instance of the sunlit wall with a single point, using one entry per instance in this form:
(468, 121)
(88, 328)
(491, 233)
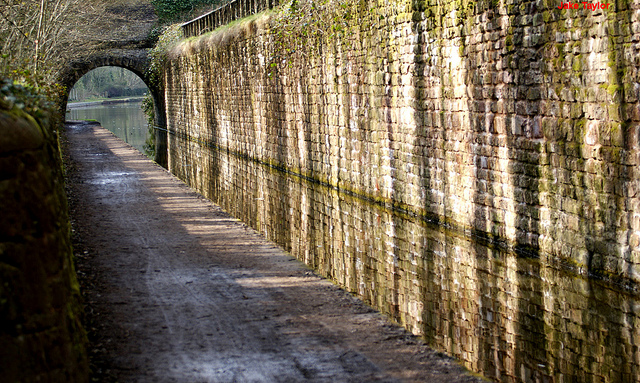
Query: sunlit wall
(514, 126)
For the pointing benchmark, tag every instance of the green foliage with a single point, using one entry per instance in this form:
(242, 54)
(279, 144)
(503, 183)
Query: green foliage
(26, 98)
(39, 82)
(159, 55)
(171, 11)
(300, 23)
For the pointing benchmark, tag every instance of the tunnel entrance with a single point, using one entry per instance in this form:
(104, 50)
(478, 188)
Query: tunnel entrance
(129, 60)
(107, 82)
(120, 101)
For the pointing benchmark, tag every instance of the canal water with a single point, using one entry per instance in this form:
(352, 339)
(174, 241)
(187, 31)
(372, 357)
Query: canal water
(507, 317)
(125, 120)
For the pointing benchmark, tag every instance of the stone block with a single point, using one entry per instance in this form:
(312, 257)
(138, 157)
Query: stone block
(18, 132)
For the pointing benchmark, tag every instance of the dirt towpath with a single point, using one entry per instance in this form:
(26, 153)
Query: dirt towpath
(179, 291)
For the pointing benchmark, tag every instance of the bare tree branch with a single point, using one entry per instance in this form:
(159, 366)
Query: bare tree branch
(13, 23)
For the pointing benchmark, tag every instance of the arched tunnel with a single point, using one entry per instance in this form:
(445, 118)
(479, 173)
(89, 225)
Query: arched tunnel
(134, 60)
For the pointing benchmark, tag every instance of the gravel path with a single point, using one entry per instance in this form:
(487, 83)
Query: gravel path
(176, 290)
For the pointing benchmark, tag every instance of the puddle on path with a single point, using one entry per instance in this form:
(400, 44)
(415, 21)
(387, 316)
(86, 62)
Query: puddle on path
(109, 178)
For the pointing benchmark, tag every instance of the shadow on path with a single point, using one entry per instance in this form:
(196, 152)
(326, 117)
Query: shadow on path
(176, 290)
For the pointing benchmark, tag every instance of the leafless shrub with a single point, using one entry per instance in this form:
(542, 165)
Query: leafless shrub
(37, 37)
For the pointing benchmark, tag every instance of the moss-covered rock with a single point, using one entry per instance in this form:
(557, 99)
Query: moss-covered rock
(40, 329)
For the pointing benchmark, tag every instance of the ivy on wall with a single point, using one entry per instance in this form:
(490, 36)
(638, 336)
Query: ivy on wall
(37, 102)
(168, 38)
(300, 23)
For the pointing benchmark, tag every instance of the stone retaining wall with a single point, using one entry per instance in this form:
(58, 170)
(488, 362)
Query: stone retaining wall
(517, 121)
(41, 334)
(512, 123)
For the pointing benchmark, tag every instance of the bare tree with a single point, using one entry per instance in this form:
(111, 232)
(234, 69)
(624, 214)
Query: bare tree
(38, 36)
(26, 34)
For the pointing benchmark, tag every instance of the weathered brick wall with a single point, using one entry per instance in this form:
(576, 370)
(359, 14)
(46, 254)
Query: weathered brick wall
(41, 336)
(515, 124)
(509, 318)
(517, 120)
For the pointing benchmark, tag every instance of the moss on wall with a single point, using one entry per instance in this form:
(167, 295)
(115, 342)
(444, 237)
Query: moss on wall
(513, 124)
(40, 329)
(487, 116)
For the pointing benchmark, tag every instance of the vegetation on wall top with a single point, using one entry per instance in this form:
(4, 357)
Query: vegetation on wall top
(24, 97)
(169, 37)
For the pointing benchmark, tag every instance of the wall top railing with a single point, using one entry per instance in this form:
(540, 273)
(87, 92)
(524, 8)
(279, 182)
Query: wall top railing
(227, 13)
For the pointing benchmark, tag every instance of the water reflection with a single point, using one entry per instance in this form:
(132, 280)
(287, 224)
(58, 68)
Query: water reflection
(125, 120)
(509, 318)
